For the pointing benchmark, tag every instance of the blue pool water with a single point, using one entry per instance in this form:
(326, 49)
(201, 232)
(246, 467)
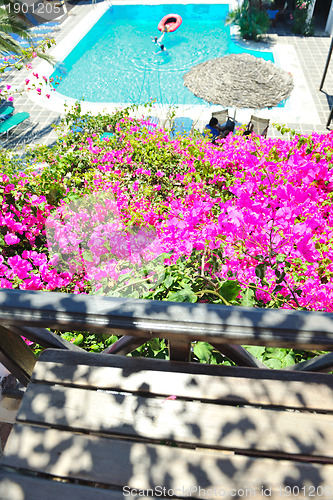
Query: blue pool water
(118, 62)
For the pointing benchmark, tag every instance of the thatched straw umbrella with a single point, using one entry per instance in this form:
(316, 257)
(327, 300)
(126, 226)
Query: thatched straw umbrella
(239, 81)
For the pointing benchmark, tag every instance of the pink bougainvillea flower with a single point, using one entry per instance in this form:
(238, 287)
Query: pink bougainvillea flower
(11, 239)
(28, 342)
(9, 188)
(169, 398)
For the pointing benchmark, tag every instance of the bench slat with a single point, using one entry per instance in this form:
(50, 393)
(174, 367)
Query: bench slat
(15, 486)
(174, 321)
(194, 380)
(144, 466)
(191, 422)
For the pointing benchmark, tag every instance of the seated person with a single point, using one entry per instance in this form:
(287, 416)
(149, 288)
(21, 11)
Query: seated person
(219, 131)
(272, 14)
(276, 11)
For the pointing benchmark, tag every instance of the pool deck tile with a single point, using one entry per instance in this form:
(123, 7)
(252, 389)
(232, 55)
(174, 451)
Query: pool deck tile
(311, 53)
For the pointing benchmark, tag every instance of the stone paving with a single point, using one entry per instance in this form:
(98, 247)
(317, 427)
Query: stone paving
(311, 53)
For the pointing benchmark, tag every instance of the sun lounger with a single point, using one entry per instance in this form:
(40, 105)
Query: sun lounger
(222, 116)
(224, 119)
(258, 126)
(27, 42)
(150, 123)
(181, 126)
(40, 31)
(12, 122)
(6, 111)
(48, 14)
(106, 135)
(153, 122)
(225, 125)
(48, 24)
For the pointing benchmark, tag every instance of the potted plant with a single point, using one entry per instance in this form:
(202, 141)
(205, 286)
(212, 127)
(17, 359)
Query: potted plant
(252, 20)
(302, 25)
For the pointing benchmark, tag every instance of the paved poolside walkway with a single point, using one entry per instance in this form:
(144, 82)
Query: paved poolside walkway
(310, 51)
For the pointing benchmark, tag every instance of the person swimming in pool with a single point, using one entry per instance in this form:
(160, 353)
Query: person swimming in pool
(162, 50)
(159, 40)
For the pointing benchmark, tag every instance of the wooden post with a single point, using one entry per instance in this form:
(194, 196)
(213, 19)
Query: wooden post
(326, 65)
(16, 356)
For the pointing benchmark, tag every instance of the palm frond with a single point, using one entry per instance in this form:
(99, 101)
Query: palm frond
(11, 25)
(9, 45)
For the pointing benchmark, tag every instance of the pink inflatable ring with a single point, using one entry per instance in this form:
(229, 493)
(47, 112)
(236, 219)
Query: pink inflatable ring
(170, 23)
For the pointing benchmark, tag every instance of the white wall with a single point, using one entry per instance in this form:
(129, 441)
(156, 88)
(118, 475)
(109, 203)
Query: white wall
(329, 24)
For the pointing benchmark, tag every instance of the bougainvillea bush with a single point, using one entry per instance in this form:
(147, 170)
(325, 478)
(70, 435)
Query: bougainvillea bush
(247, 221)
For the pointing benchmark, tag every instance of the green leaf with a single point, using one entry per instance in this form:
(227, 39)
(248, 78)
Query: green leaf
(230, 290)
(79, 339)
(248, 298)
(111, 340)
(155, 344)
(278, 353)
(259, 257)
(72, 196)
(280, 257)
(87, 256)
(168, 281)
(182, 296)
(125, 276)
(203, 351)
(273, 363)
(256, 351)
(260, 270)
(288, 360)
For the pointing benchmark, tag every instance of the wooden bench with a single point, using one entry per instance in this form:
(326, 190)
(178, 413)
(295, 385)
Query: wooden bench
(95, 426)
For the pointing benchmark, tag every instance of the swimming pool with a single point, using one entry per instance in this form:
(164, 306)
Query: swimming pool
(116, 61)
